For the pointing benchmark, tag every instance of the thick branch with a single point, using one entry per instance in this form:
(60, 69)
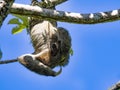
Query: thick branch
(62, 16)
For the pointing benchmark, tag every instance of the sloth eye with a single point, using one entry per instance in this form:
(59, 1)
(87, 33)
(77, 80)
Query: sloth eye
(54, 49)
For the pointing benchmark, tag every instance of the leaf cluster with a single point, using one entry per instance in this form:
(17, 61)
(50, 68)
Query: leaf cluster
(21, 23)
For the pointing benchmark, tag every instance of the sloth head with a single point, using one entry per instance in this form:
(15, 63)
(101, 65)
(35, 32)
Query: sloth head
(56, 48)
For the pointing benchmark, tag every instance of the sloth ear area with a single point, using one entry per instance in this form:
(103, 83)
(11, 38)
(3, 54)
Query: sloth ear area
(54, 49)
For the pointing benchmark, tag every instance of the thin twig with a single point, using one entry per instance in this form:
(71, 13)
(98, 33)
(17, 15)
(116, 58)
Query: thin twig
(53, 2)
(8, 61)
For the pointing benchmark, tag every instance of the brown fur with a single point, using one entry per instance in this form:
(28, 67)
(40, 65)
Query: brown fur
(45, 35)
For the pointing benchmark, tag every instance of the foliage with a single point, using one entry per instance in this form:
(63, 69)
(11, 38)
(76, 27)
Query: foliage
(71, 51)
(20, 21)
(0, 53)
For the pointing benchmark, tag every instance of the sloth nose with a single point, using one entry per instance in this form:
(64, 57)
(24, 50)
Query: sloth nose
(44, 56)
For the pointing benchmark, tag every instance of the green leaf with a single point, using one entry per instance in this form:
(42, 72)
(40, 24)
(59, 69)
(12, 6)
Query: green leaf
(21, 21)
(71, 51)
(14, 21)
(18, 29)
(24, 19)
(0, 53)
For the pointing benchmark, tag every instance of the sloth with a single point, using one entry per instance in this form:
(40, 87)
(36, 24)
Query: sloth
(51, 47)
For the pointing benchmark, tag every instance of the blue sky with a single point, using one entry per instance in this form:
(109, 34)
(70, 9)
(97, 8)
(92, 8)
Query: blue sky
(94, 65)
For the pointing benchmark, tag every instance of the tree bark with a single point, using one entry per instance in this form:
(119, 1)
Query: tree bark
(4, 9)
(48, 14)
(51, 3)
(8, 61)
(115, 86)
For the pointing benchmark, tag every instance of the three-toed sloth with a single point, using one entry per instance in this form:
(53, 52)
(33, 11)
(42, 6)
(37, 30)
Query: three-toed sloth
(52, 46)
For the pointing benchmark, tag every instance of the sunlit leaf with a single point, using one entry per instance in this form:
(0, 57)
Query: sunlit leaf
(18, 29)
(71, 51)
(24, 19)
(20, 21)
(14, 21)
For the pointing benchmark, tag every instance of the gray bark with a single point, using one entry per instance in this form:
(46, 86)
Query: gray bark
(115, 86)
(48, 14)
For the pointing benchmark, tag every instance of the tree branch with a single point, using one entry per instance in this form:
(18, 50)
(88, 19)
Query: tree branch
(4, 9)
(62, 16)
(55, 2)
(8, 61)
(116, 86)
(51, 3)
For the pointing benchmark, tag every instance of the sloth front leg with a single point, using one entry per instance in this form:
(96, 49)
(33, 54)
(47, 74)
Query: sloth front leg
(30, 62)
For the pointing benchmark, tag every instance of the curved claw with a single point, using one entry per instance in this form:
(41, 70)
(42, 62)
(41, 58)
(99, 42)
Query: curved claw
(36, 66)
(59, 72)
